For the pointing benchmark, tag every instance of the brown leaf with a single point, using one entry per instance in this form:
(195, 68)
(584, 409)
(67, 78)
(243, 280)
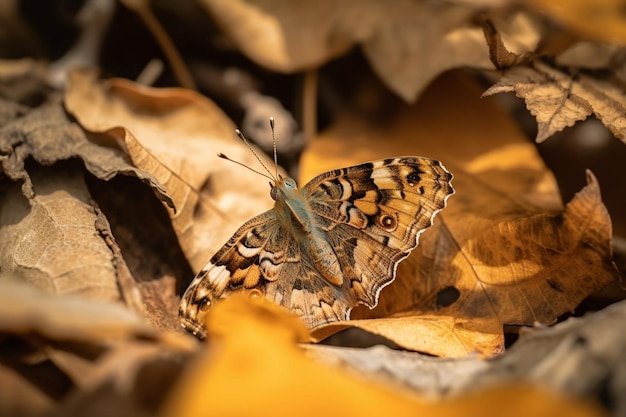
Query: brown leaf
(407, 43)
(503, 251)
(44, 133)
(86, 357)
(176, 134)
(25, 310)
(501, 57)
(558, 97)
(19, 397)
(128, 379)
(57, 241)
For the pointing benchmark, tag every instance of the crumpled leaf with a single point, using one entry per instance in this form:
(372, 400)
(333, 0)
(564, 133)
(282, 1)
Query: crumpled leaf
(25, 310)
(175, 134)
(559, 96)
(503, 251)
(408, 43)
(74, 356)
(216, 381)
(44, 133)
(58, 241)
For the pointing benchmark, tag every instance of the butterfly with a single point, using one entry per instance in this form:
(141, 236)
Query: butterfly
(328, 246)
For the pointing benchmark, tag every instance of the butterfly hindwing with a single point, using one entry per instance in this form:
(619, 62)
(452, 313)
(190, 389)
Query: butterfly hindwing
(249, 258)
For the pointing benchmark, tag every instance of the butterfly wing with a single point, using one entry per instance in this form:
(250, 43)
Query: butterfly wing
(254, 251)
(373, 215)
(263, 255)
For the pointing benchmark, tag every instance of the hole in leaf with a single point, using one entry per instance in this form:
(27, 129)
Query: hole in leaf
(446, 296)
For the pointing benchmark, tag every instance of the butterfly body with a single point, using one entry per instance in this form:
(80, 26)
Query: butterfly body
(328, 246)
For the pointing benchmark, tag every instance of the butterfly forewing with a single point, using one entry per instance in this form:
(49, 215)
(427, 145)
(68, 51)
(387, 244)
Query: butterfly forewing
(369, 216)
(390, 203)
(393, 200)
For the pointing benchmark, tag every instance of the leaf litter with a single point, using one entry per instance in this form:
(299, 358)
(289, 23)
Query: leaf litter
(511, 232)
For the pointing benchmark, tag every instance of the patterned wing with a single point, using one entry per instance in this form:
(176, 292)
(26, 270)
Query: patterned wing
(263, 256)
(254, 255)
(373, 214)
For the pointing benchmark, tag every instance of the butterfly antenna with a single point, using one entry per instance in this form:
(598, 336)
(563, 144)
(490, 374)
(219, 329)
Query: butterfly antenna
(221, 155)
(243, 138)
(274, 145)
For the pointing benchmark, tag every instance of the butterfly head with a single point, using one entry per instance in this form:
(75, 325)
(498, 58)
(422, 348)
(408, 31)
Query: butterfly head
(282, 187)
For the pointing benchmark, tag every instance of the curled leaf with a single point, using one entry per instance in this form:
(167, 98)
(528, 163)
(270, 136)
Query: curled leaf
(408, 44)
(176, 134)
(559, 97)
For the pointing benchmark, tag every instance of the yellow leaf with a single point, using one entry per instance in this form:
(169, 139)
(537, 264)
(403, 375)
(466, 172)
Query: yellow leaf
(602, 20)
(254, 367)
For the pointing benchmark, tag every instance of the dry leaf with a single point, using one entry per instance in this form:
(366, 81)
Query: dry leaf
(560, 96)
(25, 310)
(19, 397)
(57, 242)
(443, 335)
(503, 251)
(176, 134)
(82, 357)
(44, 133)
(563, 357)
(129, 379)
(219, 378)
(407, 43)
